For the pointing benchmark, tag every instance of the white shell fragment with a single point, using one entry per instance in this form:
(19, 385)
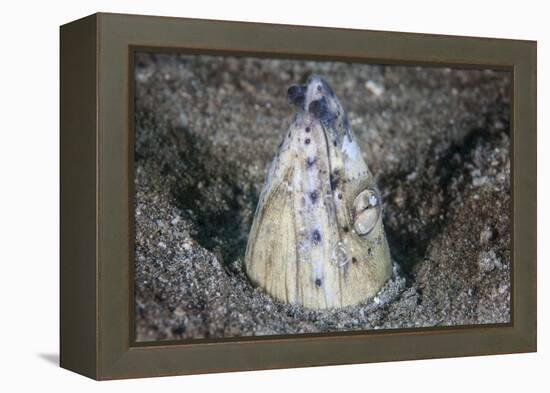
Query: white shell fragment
(317, 238)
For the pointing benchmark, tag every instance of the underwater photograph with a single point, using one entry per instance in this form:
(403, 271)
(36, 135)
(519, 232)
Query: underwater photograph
(281, 197)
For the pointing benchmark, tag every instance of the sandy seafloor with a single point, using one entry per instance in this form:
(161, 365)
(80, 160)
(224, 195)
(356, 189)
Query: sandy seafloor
(206, 129)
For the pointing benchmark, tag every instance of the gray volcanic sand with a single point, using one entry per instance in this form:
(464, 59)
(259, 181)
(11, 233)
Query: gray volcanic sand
(206, 129)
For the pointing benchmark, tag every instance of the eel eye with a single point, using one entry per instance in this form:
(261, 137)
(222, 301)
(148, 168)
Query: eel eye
(366, 209)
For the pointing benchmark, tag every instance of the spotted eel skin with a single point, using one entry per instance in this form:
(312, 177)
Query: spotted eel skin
(317, 238)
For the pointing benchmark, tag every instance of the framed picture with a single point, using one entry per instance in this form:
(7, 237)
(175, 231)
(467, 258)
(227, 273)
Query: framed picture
(241, 196)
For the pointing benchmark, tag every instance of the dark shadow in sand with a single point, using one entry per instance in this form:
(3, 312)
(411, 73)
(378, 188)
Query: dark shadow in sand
(200, 174)
(409, 240)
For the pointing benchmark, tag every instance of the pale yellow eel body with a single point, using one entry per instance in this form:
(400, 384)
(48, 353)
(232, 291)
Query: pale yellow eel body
(317, 238)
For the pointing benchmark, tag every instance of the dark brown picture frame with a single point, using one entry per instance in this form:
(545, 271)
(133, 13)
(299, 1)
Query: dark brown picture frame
(97, 196)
